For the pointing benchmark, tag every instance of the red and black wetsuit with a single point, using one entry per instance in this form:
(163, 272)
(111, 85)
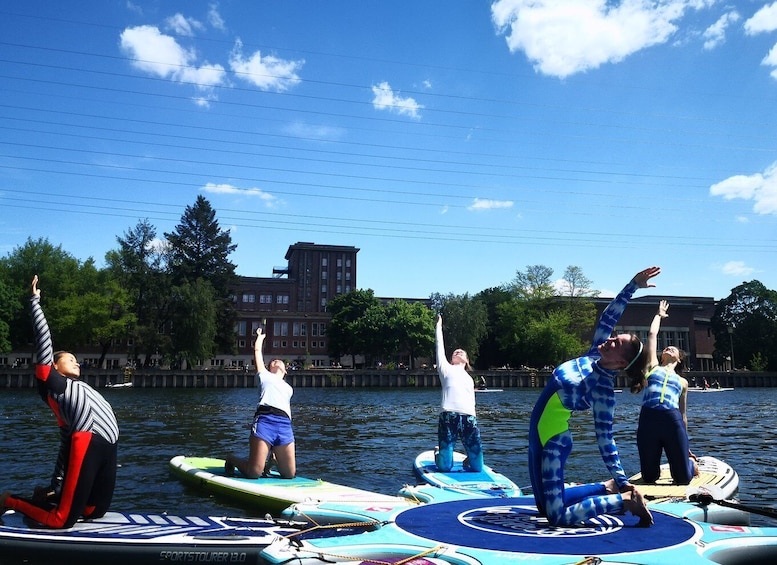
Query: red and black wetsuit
(85, 473)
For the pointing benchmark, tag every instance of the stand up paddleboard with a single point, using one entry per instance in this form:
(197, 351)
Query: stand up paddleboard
(270, 494)
(139, 538)
(486, 483)
(713, 473)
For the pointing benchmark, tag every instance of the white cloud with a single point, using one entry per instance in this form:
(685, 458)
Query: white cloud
(215, 19)
(763, 21)
(742, 220)
(312, 131)
(266, 73)
(385, 99)
(268, 199)
(564, 37)
(161, 55)
(760, 188)
(181, 25)
(736, 269)
(486, 204)
(716, 33)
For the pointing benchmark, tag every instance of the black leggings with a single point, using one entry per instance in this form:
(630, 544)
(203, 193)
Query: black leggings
(663, 430)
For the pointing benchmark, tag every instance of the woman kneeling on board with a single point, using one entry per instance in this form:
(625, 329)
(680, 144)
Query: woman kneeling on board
(663, 423)
(271, 432)
(581, 384)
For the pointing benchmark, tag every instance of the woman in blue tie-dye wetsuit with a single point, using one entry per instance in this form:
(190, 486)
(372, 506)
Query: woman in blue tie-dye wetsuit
(663, 423)
(581, 384)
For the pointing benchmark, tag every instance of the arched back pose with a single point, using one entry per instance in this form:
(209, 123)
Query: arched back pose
(457, 419)
(582, 384)
(663, 423)
(271, 432)
(85, 473)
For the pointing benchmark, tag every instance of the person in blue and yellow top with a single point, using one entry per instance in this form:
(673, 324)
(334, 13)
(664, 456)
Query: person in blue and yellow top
(663, 423)
(581, 384)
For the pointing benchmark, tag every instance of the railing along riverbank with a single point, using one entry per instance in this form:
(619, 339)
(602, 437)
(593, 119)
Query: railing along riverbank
(348, 378)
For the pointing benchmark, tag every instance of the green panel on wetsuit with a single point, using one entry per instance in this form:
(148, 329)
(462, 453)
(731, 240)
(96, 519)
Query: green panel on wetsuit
(554, 419)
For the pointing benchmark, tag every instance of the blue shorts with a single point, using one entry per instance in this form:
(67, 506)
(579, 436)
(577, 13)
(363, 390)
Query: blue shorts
(275, 430)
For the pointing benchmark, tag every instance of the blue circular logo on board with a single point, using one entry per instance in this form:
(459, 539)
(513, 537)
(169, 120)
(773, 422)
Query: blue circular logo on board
(526, 521)
(514, 525)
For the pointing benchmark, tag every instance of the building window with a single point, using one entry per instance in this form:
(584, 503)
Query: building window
(276, 343)
(323, 302)
(348, 275)
(339, 263)
(322, 344)
(241, 328)
(241, 343)
(323, 275)
(280, 328)
(314, 328)
(282, 299)
(339, 276)
(339, 289)
(323, 289)
(249, 298)
(295, 329)
(313, 344)
(347, 288)
(295, 344)
(322, 329)
(265, 299)
(348, 263)
(323, 261)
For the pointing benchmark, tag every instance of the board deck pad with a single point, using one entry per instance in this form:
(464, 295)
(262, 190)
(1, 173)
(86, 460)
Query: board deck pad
(120, 537)
(273, 494)
(712, 473)
(482, 483)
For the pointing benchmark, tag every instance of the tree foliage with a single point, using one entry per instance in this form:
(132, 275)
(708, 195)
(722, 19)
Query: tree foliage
(199, 250)
(746, 321)
(465, 322)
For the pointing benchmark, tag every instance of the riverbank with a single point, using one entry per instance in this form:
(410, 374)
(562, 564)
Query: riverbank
(349, 378)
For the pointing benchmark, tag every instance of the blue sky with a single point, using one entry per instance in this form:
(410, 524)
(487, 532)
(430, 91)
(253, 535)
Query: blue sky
(454, 143)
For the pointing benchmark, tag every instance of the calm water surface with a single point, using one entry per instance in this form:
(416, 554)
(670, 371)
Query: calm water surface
(365, 438)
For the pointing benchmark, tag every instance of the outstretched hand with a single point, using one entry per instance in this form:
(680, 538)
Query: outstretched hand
(643, 277)
(35, 289)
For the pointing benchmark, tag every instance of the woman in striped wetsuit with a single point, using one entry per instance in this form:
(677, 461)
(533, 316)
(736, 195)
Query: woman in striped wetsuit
(663, 423)
(577, 385)
(85, 472)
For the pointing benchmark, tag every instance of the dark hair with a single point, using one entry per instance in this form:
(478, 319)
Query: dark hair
(680, 367)
(58, 354)
(637, 370)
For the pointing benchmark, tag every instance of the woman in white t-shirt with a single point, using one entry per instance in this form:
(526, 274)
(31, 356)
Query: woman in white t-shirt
(271, 432)
(457, 419)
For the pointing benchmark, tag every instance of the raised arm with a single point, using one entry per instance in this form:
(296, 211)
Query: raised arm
(43, 348)
(439, 344)
(652, 339)
(258, 358)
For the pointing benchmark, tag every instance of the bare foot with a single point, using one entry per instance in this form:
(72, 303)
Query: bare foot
(695, 467)
(611, 487)
(634, 503)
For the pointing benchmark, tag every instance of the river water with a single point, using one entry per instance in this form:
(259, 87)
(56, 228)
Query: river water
(365, 438)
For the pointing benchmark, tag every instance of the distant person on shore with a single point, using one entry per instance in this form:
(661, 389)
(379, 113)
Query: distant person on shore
(663, 422)
(85, 472)
(271, 433)
(582, 384)
(457, 419)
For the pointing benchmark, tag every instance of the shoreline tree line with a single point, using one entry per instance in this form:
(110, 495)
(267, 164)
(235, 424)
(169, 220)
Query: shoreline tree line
(172, 297)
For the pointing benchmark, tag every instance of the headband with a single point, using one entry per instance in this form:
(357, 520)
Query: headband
(639, 352)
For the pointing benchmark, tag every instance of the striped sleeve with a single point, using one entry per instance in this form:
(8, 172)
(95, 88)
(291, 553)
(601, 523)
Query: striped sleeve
(43, 347)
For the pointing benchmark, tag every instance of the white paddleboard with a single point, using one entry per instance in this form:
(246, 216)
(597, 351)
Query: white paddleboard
(485, 483)
(712, 473)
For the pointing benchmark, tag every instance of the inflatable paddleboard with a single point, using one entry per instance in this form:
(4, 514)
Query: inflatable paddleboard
(489, 390)
(486, 483)
(489, 531)
(139, 538)
(709, 389)
(272, 494)
(713, 473)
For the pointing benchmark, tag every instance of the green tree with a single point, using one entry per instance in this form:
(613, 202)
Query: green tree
(750, 314)
(343, 331)
(60, 279)
(194, 326)
(578, 293)
(8, 306)
(490, 353)
(199, 250)
(534, 285)
(464, 322)
(412, 327)
(139, 264)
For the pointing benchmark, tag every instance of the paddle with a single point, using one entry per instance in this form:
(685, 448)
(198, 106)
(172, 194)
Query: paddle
(709, 494)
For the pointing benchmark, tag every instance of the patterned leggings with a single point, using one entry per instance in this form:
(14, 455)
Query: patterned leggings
(450, 427)
(565, 505)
